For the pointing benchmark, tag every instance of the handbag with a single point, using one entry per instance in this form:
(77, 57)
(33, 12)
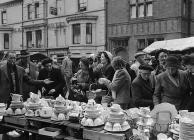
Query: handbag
(77, 93)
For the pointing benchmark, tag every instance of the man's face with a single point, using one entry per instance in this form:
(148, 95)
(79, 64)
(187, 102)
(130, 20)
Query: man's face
(173, 71)
(54, 58)
(48, 66)
(140, 59)
(145, 74)
(11, 58)
(162, 58)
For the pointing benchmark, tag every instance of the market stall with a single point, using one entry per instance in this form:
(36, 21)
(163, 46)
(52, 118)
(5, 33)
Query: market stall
(64, 119)
(182, 44)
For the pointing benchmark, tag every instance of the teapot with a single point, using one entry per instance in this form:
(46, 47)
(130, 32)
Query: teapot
(16, 97)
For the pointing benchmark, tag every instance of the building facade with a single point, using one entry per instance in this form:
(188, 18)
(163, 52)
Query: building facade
(135, 24)
(53, 26)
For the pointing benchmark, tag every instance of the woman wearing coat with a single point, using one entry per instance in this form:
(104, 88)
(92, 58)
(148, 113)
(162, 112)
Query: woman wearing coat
(120, 85)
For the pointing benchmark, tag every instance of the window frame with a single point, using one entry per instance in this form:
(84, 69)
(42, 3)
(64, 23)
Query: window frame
(27, 41)
(78, 39)
(89, 32)
(37, 10)
(38, 38)
(83, 7)
(4, 37)
(4, 14)
(136, 4)
(29, 10)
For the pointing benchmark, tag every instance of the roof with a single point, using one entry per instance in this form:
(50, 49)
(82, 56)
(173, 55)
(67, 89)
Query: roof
(171, 45)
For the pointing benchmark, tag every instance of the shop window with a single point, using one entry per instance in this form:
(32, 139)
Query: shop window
(4, 17)
(89, 33)
(76, 34)
(6, 41)
(82, 5)
(141, 8)
(119, 43)
(29, 39)
(37, 10)
(30, 10)
(38, 38)
(141, 44)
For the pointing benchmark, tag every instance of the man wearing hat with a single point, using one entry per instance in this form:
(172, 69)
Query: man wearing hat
(139, 57)
(30, 68)
(189, 63)
(142, 90)
(172, 85)
(53, 74)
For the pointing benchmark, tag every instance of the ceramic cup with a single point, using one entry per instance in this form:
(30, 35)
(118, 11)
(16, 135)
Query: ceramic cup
(16, 97)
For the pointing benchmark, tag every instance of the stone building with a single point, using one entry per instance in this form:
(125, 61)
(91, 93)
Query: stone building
(53, 26)
(135, 24)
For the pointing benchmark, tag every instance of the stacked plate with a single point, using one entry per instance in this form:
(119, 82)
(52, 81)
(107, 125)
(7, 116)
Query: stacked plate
(33, 106)
(186, 130)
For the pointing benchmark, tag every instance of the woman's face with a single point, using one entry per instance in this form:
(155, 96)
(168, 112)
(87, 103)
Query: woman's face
(103, 59)
(82, 66)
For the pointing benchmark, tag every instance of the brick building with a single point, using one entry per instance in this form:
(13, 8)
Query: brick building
(135, 24)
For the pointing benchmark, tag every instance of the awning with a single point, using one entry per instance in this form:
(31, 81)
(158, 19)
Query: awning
(171, 45)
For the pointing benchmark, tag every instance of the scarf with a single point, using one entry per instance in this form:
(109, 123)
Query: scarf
(14, 83)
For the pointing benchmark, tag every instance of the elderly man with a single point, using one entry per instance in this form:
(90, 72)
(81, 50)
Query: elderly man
(172, 85)
(142, 90)
(139, 57)
(54, 74)
(12, 78)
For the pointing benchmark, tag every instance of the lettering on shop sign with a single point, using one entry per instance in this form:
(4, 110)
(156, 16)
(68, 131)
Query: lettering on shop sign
(56, 25)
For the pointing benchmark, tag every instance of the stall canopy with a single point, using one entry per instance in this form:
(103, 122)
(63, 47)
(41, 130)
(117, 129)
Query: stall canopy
(171, 45)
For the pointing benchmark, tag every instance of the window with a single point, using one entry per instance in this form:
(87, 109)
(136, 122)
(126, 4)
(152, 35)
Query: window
(89, 33)
(120, 42)
(141, 8)
(29, 39)
(185, 7)
(37, 12)
(142, 43)
(38, 38)
(76, 34)
(30, 11)
(82, 5)
(4, 17)
(6, 41)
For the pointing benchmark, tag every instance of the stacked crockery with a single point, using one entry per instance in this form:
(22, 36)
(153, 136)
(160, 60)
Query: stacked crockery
(93, 116)
(187, 128)
(16, 107)
(116, 121)
(33, 106)
(2, 109)
(61, 110)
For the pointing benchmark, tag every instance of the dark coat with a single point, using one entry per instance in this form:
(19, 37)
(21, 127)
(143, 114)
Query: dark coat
(131, 72)
(5, 84)
(167, 91)
(190, 105)
(33, 75)
(56, 76)
(142, 92)
(121, 84)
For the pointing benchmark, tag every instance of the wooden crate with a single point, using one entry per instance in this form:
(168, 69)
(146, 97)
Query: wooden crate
(101, 135)
(17, 120)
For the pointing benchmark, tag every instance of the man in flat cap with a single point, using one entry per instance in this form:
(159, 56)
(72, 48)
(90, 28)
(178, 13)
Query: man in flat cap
(31, 69)
(139, 60)
(189, 63)
(142, 90)
(172, 85)
(53, 74)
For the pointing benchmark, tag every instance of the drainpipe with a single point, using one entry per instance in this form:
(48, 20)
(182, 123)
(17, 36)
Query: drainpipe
(189, 18)
(106, 24)
(23, 24)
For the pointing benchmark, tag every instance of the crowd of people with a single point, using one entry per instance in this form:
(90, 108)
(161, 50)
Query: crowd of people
(147, 82)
